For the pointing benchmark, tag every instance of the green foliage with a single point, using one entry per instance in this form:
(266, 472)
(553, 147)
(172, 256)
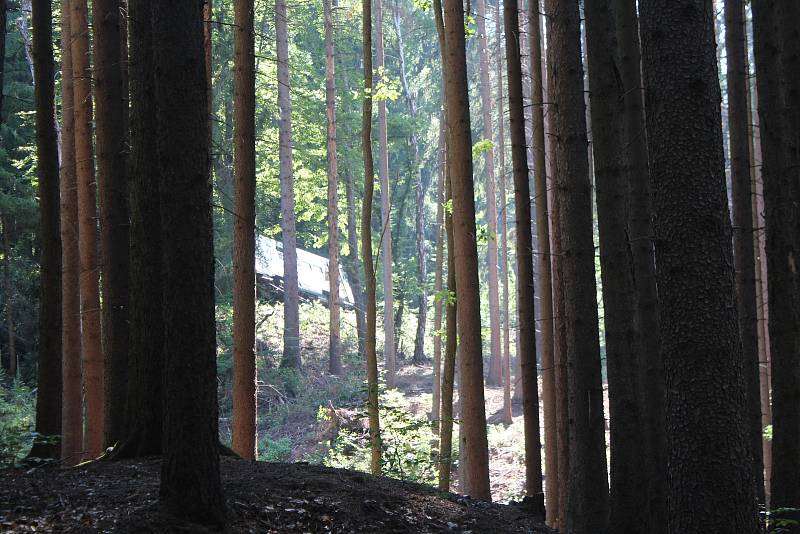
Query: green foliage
(16, 422)
(484, 145)
(783, 520)
(279, 450)
(406, 444)
(768, 432)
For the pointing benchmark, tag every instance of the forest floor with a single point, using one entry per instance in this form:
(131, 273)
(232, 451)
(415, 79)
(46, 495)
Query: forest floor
(122, 496)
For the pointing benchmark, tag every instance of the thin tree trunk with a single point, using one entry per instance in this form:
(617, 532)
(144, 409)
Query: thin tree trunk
(144, 406)
(111, 152)
(335, 366)
(628, 498)
(694, 260)
(91, 344)
(641, 247)
(9, 304)
(71, 405)
(48, 398)
(366, 244)
(440, 300)
(389, 349)
(587, 509)
(291, 297)
(190, 479)
(244, 244)
(508, 416)
(465, 253)
(421, 186)
(526, 318)
(743, 251)
(3, 22)
(495, 375)
(545, 273)
(353, 265)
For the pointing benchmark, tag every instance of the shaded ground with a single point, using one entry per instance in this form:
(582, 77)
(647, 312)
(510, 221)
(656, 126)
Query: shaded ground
(122, 496)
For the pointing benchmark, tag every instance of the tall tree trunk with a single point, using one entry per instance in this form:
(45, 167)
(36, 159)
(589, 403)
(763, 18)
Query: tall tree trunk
(628, 497)
(71, 405)
(465, 254)
(111, 152)
(495, 376)
(694, 260)
(244, 244)
(526, 318)
(743, 251)
(366, 244)
(144, 406)
(48, 398)
(9, 301)
(545, 273)
(587, 509)
(91, 344)
(291, 295)
(389, 349)
(421, 186)
(508, 416)
(353, 265)
(439, 300)
(3, 23)
(640, 233)
(335, 366)
(190, 480)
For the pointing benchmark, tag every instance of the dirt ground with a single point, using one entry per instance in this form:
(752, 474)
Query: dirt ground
(122, 496)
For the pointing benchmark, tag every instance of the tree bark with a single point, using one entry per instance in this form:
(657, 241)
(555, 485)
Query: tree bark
(545, 273)
(144, 406)
(48, 398)
(628, 497)
(111, 152)
(587, 508)
(190, 479)
(9, 301)
(93, 363)
(526, 317)
(694, 262)
(495, 376)
(335, 366)
(366, 244)
(71, 405)
(440, 300)
(781, 196)
(465, 254)
(743, 245)
(291, 297)
(244, 244)
(389, 349)
(353, 265)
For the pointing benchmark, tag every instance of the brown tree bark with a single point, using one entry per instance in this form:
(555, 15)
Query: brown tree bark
(71, 404)
(111, 153)
(48, 398)
(465, 254)
(190, 480)
(743, 245)
(91, 344)
(641, 246)
(545, 273)
(389, 349)
(144, 406)
(781, 196)
(335, 366)
(508, 416)
(587, 508)
(526, 316)
(353, 265)
(628, 498)
(694, 262)
(9, 300)
(440, 301)
(244, 243)
(495, 375)
(291, 297)
(366, 244)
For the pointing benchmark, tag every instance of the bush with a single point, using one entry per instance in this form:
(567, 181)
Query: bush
(17, 416)
(279, 450)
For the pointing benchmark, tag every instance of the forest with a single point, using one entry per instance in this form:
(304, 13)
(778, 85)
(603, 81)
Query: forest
(476, 266)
